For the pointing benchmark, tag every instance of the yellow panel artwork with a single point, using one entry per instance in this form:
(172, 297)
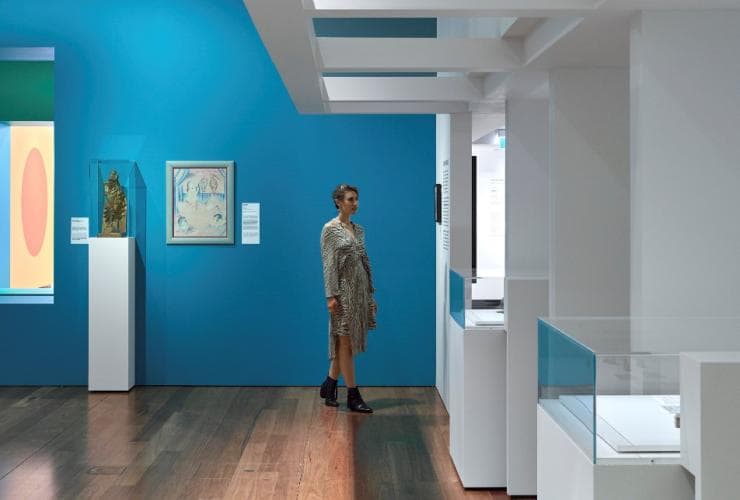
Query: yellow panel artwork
(31, 206)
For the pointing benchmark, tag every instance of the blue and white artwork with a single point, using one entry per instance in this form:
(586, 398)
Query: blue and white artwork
(200, 209)
(200, 202)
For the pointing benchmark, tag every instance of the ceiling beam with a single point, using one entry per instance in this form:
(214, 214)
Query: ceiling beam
(395, 108)
(493, 83)
(395, 89)
(436, 8)
(547, 34)
(523, 84)
(290, 42)
(419, 54)
(522, 26)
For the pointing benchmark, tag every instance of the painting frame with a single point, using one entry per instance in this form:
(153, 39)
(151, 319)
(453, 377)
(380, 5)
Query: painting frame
(176, 172)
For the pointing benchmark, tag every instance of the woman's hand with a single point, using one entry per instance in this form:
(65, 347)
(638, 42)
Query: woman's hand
(333, 305)
(374, 307)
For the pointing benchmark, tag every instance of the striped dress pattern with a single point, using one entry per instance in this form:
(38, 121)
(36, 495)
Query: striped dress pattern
(347, 276)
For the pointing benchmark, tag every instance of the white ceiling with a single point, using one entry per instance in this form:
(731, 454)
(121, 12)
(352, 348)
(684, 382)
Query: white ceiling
(485, 50)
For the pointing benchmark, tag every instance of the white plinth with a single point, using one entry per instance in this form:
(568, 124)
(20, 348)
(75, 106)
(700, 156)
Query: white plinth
(111, 314)
(477, 405)
(710, 411)
(565, 472)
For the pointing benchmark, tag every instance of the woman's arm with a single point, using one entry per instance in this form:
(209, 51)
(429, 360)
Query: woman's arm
(366, 261)
(366, 265)
(329, 260)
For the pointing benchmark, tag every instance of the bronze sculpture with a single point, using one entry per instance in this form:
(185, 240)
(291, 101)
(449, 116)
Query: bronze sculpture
(114, 212)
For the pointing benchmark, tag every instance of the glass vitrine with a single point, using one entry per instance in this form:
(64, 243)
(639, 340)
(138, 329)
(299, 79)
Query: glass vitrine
(613, 383)
(116, 191)
(476, 301)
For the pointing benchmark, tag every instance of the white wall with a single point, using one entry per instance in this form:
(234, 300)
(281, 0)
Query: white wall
(443, 155)
(490, 222)
(453, 145)
(491, 210)
(589, 192)
(527, 188)
(685, 114)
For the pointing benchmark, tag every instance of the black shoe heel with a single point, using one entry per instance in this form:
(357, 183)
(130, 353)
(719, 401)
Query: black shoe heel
(328, 392)
(355, 402)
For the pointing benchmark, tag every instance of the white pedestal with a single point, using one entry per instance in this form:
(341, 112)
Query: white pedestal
(111, 314)
(477, 405)
(710, 411)
(565, 472)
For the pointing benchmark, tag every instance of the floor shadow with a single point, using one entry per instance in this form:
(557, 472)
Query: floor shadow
(140, 300)
(385, 403)
(391, 458)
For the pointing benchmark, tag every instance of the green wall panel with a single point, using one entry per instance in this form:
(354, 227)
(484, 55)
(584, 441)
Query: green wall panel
(26, 91)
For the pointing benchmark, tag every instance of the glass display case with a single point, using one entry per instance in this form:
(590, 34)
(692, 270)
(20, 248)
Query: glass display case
(613, 383)
(116, 193)
(476, 301)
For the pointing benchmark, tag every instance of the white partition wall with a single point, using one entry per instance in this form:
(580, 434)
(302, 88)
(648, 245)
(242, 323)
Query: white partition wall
(111, 314)
(589, 192)
(442, 261)
(454, 235)
(685, 169)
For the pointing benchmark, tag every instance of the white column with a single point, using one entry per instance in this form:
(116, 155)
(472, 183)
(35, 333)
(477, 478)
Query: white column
(526, 300)
(589, 192)
(526, 291)
(527, 188)
(685, 107)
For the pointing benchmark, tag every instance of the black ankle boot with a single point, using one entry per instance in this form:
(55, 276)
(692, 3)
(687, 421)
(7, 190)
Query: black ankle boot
(355, 402)
(328, 391)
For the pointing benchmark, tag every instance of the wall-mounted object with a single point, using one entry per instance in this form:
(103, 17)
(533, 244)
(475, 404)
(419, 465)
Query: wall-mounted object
(438, 203)
(200, 202)
(26, 208)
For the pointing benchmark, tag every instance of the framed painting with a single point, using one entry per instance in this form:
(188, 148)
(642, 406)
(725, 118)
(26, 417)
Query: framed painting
(200, 202)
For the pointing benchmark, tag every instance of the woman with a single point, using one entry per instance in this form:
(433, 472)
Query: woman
(349, 296)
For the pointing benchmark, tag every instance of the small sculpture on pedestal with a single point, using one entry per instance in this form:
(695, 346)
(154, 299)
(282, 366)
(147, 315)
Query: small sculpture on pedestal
(114, 212)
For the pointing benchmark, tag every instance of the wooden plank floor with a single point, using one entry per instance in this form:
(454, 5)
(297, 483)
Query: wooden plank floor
(224, 442)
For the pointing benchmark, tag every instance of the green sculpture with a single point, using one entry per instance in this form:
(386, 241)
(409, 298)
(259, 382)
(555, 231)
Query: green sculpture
(114, 212)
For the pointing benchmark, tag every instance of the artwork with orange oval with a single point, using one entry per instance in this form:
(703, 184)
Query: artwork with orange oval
(34, 202)
(31, 206)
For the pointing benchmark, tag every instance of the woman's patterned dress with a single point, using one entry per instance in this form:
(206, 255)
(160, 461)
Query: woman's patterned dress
(347, 276)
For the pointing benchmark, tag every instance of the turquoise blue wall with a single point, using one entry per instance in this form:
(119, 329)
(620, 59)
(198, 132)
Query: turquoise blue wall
(181, 80)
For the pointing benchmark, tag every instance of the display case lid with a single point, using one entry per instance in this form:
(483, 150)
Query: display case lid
(474, 274)
(636, 336)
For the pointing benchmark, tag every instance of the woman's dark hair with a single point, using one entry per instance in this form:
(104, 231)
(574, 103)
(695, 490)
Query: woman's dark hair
(340, 190)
